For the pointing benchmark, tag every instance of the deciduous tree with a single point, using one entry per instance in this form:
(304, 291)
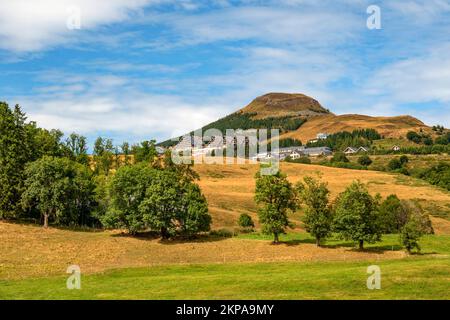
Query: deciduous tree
(127, 190)
(356, 215)
(318, 219)
(59, 189)
(276, 197)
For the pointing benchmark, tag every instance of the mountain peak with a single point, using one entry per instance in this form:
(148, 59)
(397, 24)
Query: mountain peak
(284, 104)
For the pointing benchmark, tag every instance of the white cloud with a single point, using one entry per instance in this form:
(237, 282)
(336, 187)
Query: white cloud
(419, 79)
(420, 11)
(306, 25)
(32, 25)
(137, 115)
(103, 103)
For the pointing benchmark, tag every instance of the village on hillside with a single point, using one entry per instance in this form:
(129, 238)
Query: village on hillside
(197, 147)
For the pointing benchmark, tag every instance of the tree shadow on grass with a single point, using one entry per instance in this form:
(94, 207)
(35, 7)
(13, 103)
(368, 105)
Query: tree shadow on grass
(349, 245)
(148, 235)
(420, 254)
(152, 235)
(36, 223)
(203, 238)
(297, 242)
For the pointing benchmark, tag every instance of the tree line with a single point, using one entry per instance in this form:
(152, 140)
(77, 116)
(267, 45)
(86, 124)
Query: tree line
(341, 140)
(46, 178)
(355, 215)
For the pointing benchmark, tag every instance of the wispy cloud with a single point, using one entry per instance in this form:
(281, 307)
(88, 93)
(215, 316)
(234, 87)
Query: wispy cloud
(33, 25)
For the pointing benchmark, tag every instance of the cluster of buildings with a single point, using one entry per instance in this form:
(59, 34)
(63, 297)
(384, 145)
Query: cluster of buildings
(294, 153)
(199, 148)
(280, 154)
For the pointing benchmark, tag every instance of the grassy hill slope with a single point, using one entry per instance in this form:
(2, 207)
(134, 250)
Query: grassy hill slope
(389, 127)
(230, 189)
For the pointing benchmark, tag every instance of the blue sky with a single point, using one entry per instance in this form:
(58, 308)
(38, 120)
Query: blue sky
(143, 69)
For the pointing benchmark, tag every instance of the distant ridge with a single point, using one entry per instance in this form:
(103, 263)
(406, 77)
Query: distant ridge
(301, 117)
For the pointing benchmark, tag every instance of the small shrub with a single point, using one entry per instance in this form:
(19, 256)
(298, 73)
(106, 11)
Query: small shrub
(394, 164)
(304, 160)
(222, 233)
(347, 165)
(414, 137)
(410, 235)
(404, 160)
(339, 157)
(245, 221)
(365, 160)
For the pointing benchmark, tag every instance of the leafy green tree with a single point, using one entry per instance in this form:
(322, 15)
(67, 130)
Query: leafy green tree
(339, 157)
(171, 205)
(410, 235)
(161, 203)
(46, 142)
(185, 172)
(365, 160)
(59, 189)
(356, 215)
(193, 216)
(318, 218)
(127, 190)
(103, 155)
(125, 147)
(414, 211)
(276, 197)
(416, 224)
(145, 152)
(117, 161)
(77, 147)
(15, 151)
(392, 215)
(102, 198)
(245, 221)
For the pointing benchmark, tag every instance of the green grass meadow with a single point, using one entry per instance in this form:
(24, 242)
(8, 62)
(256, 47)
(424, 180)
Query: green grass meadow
(421, 276)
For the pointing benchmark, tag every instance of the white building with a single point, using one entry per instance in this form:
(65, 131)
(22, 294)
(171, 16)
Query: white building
(350, 150)
(353, 150)
(322, 136)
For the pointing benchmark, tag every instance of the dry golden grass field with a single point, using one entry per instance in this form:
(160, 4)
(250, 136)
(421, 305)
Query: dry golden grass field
(29, 251)
(230, 189)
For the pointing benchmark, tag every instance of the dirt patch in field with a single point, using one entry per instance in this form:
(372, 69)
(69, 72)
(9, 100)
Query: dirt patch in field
(31, 251)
